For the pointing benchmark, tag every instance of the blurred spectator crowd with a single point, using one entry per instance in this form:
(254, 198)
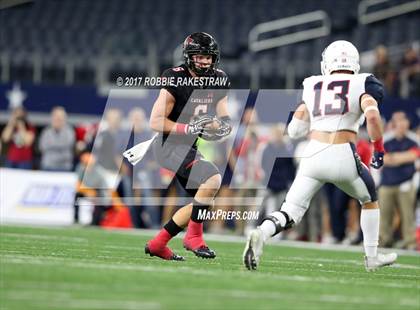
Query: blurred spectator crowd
(102, 173)
(401, 79)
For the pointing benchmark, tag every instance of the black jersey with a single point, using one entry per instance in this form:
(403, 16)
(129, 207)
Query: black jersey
(193, 96)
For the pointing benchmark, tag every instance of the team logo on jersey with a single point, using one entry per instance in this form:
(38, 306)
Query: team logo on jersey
(202, 100)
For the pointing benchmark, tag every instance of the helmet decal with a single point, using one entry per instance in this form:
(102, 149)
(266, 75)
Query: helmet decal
(204, 44)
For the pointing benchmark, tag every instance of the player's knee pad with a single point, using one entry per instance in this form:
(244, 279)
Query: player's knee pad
(294, 210)
(275, 219)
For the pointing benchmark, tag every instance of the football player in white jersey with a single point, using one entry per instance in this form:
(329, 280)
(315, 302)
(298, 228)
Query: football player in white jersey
(334, 105)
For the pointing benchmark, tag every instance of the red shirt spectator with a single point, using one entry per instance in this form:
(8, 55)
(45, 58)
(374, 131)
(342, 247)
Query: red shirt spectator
(17, 150)
(19, 136)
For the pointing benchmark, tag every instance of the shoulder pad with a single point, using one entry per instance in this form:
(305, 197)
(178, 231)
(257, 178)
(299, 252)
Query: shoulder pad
(222, 74)
(176, 71)
(374, 88)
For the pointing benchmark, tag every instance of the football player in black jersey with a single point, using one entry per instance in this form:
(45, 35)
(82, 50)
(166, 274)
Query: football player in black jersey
(181, 114)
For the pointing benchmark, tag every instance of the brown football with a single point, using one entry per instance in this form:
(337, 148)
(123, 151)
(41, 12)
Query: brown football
(214, 125)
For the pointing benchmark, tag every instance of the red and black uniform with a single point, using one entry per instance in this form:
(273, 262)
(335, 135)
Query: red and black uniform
(178, 152)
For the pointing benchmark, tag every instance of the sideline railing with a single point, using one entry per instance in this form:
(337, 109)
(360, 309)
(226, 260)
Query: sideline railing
(366, 17)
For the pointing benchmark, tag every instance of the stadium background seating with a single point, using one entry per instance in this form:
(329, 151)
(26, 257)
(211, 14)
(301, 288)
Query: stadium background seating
(81, 32)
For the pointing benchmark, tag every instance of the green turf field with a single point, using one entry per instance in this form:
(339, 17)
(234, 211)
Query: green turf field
(84, 268)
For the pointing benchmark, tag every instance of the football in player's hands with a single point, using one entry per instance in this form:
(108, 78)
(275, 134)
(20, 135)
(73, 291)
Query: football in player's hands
(198, 123)
(214, 125)
(216, 130)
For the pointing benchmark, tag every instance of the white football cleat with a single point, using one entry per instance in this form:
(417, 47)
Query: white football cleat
(253, 249)
(381, 260)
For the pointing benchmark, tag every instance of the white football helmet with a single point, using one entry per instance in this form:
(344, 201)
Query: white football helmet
(340, 55)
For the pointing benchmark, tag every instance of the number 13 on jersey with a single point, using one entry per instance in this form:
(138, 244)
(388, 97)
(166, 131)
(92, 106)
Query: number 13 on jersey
(340, 103)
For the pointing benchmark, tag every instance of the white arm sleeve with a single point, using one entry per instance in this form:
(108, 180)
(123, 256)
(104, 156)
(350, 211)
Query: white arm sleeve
(297, 128)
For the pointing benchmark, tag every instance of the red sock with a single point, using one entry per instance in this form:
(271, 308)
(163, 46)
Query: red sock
(194, 236)
(162, 238)
(157, 245)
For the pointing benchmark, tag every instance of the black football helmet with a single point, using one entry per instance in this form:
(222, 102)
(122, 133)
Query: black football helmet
(204, 44)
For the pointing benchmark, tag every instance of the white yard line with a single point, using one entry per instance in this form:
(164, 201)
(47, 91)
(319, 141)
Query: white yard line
(221, 238)
(407, 266)
(215, 237)
(279, 295)
(285, 243)
(320, 268)
(288, 243)
(59, 298)
(294, 258)
(89, 264)
(65, 286)
(43, 237)
(50, 299)
(343, 261)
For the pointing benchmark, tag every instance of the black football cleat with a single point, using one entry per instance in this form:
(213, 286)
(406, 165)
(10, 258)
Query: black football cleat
(203, 252)
(171, 257)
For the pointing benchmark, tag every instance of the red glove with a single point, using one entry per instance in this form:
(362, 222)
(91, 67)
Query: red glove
(378, 146)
